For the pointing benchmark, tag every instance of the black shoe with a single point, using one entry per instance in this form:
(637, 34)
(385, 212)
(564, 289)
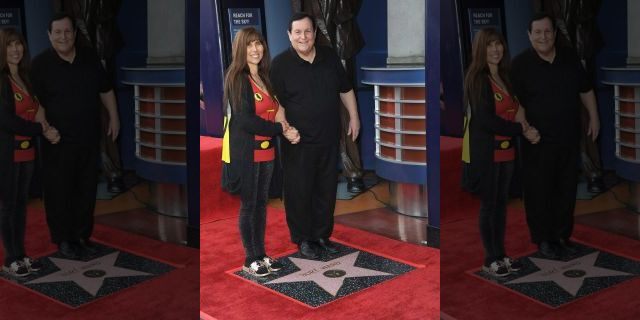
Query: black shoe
(327, 245)
(115, 185)
(68, 250)
(568, 246)
(548, 250)
(355, 185)
(88, 246)
(595, 184)
(307, 250)
(16, 268)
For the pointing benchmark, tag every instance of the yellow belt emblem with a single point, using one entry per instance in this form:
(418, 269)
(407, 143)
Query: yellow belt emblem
(497, 96)
(17, 96)
(25, 144)
(257, 96)
(264, 144)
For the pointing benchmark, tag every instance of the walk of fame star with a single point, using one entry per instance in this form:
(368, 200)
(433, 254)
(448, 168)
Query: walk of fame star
(329, 275)
(89, 275)
(569, 275)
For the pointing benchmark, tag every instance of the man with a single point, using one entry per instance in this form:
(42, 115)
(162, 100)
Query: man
(310, 83)
(338, 28)
(97, 26)
(550, 82)
(70, 84)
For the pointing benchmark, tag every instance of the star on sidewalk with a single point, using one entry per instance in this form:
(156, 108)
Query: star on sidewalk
(570, 274)
(329, 275)
(89, 275)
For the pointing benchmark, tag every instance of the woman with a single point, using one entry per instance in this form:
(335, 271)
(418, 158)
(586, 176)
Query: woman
(18, 111)
(253, 115)
(493, 119)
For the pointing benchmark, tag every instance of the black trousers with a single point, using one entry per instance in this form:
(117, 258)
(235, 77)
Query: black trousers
(493, 211)
(13, 211)
(253, 211)
(70, 186)
(550, 182)
(310, 185)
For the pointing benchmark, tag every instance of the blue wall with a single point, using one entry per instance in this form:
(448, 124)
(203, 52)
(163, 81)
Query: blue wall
(37, 15)
(211, 73)
(277, 15)
(451, 60)
(517, 20)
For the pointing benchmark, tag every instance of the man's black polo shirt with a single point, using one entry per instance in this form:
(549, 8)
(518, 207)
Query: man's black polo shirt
(310, 93)
(550, 93)
(70, 93)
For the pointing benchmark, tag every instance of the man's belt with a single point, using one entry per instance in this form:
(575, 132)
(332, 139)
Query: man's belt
(502, 144)
(22, 144)
(262, 144)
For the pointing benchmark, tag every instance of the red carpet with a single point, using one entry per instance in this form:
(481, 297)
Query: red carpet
(214, 203)
(466, 297)
(454, 202)
(170, 296)
(414, 295)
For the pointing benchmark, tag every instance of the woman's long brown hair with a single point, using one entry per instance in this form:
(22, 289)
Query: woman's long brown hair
(479, 69)
(239, 69)
(7, 36)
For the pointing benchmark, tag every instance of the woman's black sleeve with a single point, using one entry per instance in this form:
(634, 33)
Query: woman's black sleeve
(246, 118)
(485, 117)
(12, 123)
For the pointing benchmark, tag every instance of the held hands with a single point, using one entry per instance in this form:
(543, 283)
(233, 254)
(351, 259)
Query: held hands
(530, 132)
(290, 132)
(50, 132)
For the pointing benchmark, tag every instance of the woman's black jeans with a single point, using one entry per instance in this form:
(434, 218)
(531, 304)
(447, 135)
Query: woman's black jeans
(253, 211)
(13, 211)
(493, 211)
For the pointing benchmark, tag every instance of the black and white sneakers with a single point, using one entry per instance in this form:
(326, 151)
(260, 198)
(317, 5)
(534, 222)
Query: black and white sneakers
(263, 267)
(16, 269)
(502, 267)
(22, 267)
(496, 269)
(257, 268)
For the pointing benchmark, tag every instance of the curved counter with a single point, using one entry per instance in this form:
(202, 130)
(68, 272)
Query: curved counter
(401, 134)
(626, 84)
(160, 134)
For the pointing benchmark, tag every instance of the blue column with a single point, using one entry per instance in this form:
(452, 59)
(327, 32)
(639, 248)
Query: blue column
(432, 34)
(211, 73)
(192, 79)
